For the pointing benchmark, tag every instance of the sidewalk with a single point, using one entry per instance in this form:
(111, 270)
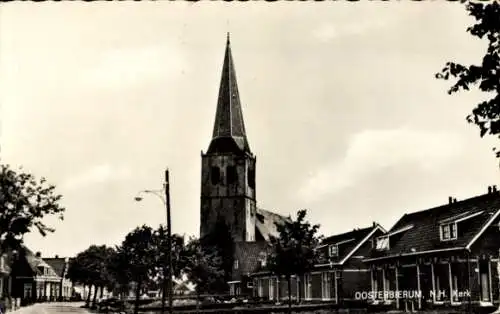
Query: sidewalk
(25, 309)
(51, 307)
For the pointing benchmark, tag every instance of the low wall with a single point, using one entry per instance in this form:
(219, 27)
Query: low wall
(255, 308)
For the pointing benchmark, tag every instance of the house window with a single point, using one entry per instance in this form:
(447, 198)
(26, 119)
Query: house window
(271, 288)
(333, 250)
(325, 285)
(215, 175)
(236, 264)
(448, 231)
(263, 262)
(453, 231)
(231, 174)
(382, 243)
(307, 286)
(27, 290)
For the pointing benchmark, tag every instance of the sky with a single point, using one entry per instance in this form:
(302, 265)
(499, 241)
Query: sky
(340, 103)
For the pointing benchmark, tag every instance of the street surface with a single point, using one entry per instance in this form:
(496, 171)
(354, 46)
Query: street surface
(52, 308)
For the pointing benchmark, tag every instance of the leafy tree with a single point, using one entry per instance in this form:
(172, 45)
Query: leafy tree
(138, 255)
(221, 243)
(116, 266)
(202, 265)
(294, 250)
(78, 272)
(100, 260)
(160, 240)
(91, 268)
(486, 75)
(24, 202)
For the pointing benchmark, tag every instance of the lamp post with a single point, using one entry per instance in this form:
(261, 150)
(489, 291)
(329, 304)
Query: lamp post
(167, 279)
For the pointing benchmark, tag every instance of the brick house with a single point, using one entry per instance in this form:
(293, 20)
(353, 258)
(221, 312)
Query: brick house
(60, 266)
(338, 275)
(33, 279)
(446, 255)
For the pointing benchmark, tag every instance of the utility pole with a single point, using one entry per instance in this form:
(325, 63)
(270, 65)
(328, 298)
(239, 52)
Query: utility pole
(167, 265)
(169, 249)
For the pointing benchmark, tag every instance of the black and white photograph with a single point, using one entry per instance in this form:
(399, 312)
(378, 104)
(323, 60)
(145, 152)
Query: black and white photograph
(249, 157)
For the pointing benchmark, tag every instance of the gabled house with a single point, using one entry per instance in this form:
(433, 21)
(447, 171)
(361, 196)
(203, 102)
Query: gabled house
(339, 273)
(33, 279)
(446, 255)
(182, 286)
(342, 269)
(60, 265)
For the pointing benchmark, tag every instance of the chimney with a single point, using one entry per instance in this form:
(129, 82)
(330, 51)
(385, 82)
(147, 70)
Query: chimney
(489, 189)
(450, 199)
(57, 256)
(494, 189)
(38, 254)
(374, 224)
(454, 200)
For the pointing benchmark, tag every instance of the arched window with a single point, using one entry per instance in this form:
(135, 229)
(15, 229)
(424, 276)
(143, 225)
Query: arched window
(215, 175)
(251, 178)
(231, 174)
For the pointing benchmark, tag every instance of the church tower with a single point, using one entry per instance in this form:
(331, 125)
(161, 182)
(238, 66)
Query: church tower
(228, 166)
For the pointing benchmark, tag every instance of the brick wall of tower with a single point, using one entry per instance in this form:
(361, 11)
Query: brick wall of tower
(228, 194)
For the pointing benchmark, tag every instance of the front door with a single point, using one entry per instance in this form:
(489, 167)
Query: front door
(485, 291)
(484, 281)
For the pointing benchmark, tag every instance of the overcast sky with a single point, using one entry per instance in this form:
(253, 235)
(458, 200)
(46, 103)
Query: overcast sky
(340, 103)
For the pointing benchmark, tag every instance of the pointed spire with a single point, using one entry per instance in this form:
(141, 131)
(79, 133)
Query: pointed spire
(229, 127)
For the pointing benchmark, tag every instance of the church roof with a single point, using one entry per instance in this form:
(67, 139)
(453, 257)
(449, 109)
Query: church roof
(249, 255)
(229, 128)
(266, 223)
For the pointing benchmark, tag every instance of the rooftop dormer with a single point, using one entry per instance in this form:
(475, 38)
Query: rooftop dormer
(383, 242)
(448, 227)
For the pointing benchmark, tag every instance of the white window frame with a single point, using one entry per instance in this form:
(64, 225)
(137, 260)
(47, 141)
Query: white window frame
(382, 239)
(333, 250)
(260, 287)
(307, 286)
(448, 231)
(263, 261)
(271, 288)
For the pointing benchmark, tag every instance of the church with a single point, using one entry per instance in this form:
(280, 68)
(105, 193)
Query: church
(451, 247)
(228, 184)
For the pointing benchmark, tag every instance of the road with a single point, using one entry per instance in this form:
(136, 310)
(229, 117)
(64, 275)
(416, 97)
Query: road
(52, 308)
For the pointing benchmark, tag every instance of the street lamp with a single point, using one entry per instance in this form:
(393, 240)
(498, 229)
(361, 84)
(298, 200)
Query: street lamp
(166, 201)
